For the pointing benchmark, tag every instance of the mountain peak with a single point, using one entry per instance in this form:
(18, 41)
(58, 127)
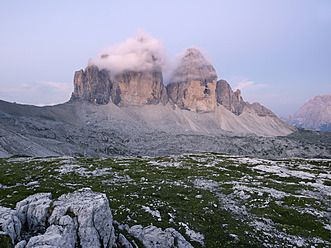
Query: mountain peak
(192, 65)
(314, 114)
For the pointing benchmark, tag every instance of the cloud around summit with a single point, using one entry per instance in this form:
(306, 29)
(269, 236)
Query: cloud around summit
(139, 53)
(144, 52)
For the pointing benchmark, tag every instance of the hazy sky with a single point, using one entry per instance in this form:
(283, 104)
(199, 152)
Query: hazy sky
(277, 51)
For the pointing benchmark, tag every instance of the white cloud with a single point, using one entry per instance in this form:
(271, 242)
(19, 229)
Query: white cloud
(248, 85)
(139, 53)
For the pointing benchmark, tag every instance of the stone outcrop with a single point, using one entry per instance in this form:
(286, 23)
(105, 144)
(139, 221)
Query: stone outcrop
(92, 85)
(229, 99)
(79, 219)
(193, 83)
(33, 211)
(153, 237)
(64, 234)
(91, 218)
(314, 114)
(10, 224)
(131, 88)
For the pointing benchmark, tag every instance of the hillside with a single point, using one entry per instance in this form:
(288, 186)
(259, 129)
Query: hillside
(85, 129)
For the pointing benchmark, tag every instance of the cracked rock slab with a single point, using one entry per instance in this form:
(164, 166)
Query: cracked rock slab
(92, 213)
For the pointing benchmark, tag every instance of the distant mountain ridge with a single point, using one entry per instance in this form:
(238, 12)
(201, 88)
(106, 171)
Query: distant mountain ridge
(314, 114)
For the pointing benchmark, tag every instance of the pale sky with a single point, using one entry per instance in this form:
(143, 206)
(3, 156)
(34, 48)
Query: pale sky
(277, 51)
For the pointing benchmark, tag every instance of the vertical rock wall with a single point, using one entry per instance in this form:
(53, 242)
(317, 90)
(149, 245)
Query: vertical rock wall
(92, 85)
(193, 86)
(131, 88)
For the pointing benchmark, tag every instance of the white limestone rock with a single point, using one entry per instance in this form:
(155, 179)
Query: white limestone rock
(33, 211)
(20, 244)
(153, 237)
(10, 224)
(123, 242)
(92, 213)
(62, 235)
(181, 241)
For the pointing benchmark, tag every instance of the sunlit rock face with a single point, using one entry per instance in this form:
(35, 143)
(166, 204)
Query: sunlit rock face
(92, 85)
(314, 114)
(193, 83)
(133, 88)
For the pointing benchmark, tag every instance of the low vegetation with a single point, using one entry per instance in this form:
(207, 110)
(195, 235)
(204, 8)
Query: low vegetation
(214, 200)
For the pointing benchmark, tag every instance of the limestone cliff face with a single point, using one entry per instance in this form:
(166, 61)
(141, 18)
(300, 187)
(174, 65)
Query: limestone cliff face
(193, 86)
(92, 85)
(129, 88)
(193, 83)
(229, 99)
(132, 88)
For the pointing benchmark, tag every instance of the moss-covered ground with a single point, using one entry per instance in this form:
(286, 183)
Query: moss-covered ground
(214, 200)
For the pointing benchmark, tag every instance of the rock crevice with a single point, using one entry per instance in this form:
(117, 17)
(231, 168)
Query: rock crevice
(79, 219)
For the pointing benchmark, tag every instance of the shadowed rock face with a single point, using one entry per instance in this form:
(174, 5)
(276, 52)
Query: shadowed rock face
(129, 88)
(92, 85)
(235, 103)
(193, 83)
(132, 88)
(229, 99)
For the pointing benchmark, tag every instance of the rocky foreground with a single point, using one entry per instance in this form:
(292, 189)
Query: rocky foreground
(79, 219)
(209, 200)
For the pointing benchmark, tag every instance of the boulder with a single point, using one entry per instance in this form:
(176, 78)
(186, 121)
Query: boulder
(62, 235)
(10, 224)
(92, 214)
(33, 211)
(154, 237)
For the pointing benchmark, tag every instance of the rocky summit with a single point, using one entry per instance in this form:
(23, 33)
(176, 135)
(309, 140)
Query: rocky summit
(314, 114)
(193, 86)
(193, 83)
